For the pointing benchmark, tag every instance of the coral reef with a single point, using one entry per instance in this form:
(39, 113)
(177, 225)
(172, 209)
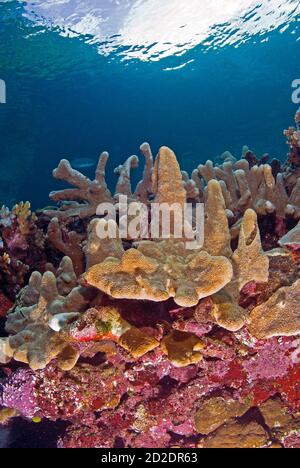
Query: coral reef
(148, 342)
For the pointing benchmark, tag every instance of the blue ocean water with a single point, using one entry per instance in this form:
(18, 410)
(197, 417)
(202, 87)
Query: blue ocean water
(81, 77)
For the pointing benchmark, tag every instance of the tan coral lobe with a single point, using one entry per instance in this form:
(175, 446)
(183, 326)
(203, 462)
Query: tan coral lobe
(158, 271)
(182, 349)
(227, 313)
(238, 435)
(216, 411)
(67, 243)
(137, 343)
(279, 316)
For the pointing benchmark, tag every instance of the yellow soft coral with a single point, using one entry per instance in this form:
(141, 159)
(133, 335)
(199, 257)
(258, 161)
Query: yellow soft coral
(22, 211)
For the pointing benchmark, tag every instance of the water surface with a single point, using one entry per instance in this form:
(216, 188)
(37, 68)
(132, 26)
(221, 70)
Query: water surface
(202, 76)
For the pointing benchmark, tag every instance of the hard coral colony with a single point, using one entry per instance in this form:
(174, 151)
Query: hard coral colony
(148, 344)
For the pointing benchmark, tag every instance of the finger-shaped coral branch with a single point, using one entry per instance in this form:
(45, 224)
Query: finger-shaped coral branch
(68, 243)
(216, 230)
(249, 260)
(124, 183)
(83, 200)
(144, 187)
(167, 178)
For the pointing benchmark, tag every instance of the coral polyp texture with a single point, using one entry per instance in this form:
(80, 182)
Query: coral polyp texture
(149, 342)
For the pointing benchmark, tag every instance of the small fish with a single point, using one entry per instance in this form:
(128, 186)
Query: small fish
(83, 163)
(188, 154)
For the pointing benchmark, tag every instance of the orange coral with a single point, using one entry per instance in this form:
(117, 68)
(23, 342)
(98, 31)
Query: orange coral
(22, 211)
(226, 311)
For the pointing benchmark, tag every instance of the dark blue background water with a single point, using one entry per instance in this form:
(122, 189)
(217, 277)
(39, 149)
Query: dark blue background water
(64, 99)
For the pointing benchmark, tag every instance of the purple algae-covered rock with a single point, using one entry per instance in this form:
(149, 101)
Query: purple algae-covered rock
(184, 374)
(271, 361)
(199, 329)
(18, 392)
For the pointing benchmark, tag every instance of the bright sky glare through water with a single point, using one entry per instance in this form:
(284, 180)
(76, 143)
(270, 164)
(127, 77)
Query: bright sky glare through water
(154, 29)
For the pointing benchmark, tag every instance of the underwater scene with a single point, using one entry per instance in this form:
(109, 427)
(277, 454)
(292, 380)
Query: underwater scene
(150, 224)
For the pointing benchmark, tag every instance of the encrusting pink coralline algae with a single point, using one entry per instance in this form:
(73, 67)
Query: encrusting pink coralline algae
(148, 343)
